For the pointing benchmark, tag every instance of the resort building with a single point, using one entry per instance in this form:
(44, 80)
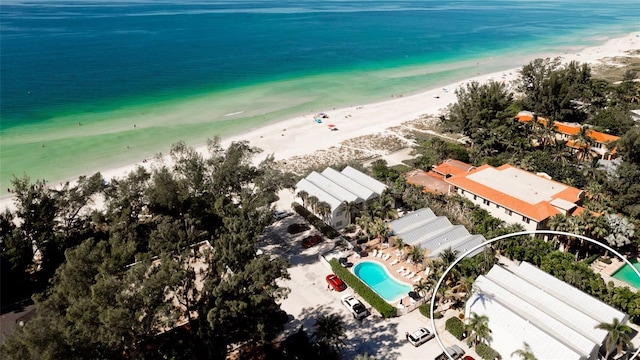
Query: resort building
(525, 304)
(566, 132)
(339, 187)
(433, 233)
(433, 180)
(517, 196)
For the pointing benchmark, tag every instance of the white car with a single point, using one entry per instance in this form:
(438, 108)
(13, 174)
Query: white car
(419, 337)
(355, 307)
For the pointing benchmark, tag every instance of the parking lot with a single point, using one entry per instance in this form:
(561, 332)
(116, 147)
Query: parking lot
(310, 297)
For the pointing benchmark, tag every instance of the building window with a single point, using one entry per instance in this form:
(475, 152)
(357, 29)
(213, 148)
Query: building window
(508, 212)
(339, 224)
(339, 213)
(497, 206)
(462, 192)
(486, 202)
(475, 197)
(526, 219)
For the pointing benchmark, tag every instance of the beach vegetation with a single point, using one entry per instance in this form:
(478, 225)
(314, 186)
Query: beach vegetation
(329, 334)
(124, 276)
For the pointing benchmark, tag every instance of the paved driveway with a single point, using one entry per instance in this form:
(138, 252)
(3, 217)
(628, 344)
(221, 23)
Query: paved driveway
(309, 298)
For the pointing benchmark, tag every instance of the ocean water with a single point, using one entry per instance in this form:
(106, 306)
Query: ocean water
(87, 85)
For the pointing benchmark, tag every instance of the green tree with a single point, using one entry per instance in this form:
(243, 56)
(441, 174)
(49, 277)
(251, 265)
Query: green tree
(109, 298)
(622, 231)
(583, 143)
(478, 328)
(617, 336)
(629, 146)
(303, 195)
(329, 332)
(525, 353)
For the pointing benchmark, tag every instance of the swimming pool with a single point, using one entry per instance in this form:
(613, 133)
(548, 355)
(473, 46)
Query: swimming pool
(378, 279)
(626, 274)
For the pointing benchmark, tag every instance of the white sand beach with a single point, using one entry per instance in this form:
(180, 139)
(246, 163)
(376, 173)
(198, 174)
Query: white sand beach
(302, 136)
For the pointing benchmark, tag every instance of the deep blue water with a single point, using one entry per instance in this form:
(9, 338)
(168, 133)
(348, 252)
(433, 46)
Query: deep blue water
(62, 56)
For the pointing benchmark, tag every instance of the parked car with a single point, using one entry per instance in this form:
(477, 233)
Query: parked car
(281, 214)
(312, 240)
(454, 351)
(355, 307)
(419, 337)
(468, 357)
(297, 228)
(335, 282)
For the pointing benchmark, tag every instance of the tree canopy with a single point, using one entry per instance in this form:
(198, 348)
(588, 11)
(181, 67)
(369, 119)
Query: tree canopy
(128, 273)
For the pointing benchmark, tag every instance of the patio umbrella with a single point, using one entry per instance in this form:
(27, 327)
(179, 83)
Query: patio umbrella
(331, 125)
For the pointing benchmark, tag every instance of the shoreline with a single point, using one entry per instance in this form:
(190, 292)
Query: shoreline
(301, 136)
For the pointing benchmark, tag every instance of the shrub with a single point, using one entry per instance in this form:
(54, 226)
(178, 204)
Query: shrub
(384, 308)
(456, 327)
(327, 230)
(605, 260)
(425, 310)
(486, 352)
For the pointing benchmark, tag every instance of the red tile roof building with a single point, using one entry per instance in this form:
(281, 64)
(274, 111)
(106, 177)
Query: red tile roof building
(515, 195)
(565, 131)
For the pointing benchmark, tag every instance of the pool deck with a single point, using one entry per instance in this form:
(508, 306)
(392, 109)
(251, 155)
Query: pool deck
(607, 270)
(394, 264)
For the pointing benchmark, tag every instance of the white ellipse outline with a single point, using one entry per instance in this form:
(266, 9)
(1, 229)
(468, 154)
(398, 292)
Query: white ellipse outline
(527, 232)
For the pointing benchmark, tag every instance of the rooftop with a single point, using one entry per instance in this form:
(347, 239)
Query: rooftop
(434, 233)
(554, 318)
(518, 190)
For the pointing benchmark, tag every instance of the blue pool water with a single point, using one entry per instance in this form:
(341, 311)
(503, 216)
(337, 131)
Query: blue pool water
(628, 275)
(378, 279)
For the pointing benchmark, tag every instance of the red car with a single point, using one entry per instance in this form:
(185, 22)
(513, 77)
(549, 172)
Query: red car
(335, 282)
(310, 241)
(468, 358)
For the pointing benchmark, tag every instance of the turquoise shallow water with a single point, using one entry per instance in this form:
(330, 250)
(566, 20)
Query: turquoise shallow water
(77, 76)
(628, 275)
(377, 278)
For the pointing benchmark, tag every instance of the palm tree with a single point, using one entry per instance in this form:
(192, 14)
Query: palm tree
(329, 331)
(583, 142)
(303, 195)
(448, 256)
(559, 222)
(324, 209)
(313, 201)
(417, 254)
(365, 223)
(478, 329)
(525, 353)
(350, 208)
(400, 244)
(617, 337)
(422, 287)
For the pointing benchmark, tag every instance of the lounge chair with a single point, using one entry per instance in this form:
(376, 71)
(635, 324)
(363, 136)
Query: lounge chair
(386, 257)
(393, 262)
(401, 270)
(406, 272)
(411, 274)
(374, 252)
(380, 253)
(417, 279)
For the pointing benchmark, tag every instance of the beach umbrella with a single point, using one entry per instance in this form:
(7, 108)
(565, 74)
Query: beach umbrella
(331, 125)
